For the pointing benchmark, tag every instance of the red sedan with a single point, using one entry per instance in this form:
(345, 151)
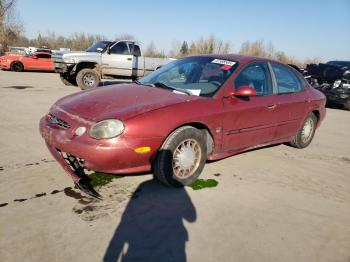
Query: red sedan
(40, 61)
(173, 120)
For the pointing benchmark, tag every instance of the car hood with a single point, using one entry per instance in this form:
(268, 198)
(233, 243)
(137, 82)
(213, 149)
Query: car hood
(80, 54)
(119, 101)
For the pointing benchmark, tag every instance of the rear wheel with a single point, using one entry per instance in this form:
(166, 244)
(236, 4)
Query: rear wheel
(347, 105)
(182, 157)
(68, 80)
(87, 78)
(17, 67)
(305, 135)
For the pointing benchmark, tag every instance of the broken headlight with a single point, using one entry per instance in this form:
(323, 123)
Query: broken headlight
(107, 129)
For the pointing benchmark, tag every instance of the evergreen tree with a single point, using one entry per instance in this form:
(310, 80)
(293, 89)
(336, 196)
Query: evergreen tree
(184, 48)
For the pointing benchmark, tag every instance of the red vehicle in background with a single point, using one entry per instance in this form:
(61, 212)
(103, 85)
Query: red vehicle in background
(40, 61)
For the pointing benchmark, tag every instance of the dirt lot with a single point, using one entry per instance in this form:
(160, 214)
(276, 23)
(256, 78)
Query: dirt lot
(271, 204)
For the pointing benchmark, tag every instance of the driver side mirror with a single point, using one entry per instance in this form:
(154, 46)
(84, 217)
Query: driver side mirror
(99, 49)
(242, 91)
(34, 57)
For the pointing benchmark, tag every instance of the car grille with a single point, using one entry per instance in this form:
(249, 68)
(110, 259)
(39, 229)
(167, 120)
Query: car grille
(58, 122)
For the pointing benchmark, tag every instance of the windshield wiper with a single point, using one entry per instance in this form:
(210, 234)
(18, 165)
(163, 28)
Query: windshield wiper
(162, 85)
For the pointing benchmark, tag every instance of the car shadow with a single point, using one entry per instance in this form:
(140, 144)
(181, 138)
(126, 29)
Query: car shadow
(152, 227)
(18, 87)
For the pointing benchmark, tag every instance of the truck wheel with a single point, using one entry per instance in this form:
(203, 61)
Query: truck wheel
(17, 67)
(68, 81)
(181, 158)
(305, 135)
(87, 78)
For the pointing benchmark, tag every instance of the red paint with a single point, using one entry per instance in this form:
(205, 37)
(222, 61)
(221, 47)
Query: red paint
(33, 62)
(151, 114)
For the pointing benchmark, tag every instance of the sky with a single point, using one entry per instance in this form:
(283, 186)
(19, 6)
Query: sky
(301, 28)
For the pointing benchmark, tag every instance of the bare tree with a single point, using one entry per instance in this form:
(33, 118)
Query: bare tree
(204, 45)
(259, 48)
(11, 28)
(5, 6)
(151, 51)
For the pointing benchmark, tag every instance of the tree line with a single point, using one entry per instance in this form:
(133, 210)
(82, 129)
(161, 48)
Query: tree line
(12, 34)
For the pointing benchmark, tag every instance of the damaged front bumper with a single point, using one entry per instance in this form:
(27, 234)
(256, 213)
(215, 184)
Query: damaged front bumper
(76, 154)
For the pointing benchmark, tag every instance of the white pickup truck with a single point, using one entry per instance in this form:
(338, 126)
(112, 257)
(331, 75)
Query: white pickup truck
(104, 60)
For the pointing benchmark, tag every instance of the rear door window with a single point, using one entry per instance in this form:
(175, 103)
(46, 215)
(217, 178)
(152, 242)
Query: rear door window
(287, 81)
(137, 50)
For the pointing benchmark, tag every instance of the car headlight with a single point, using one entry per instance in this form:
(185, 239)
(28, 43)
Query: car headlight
(107, 129)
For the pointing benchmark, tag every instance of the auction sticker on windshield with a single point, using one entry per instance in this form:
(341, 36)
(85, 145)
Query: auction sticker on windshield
(223, 62)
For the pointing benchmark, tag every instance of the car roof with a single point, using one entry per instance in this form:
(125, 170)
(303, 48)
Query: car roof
(240, 58)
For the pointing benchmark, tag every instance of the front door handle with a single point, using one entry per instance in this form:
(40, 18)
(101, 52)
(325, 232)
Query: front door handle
(129, 59)
(271, 107)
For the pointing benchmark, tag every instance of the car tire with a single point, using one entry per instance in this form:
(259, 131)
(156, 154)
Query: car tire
(306, 133)
(17, 67)
(88, 78)
(68, 81)
(186, 144)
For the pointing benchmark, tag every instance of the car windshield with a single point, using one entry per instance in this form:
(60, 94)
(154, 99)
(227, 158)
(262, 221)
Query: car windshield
(99, 44)
(339, 63)
(201, 76)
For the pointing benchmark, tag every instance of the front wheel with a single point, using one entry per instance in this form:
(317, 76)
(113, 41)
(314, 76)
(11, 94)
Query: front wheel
(182, 157)
(87, 78)
(305, 135)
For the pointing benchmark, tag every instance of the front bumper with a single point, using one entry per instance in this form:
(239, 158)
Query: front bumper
(116, 156)
(62, 67)
(5, 65)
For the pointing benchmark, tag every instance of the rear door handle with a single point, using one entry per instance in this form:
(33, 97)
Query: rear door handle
(271, 107)
(129, 59)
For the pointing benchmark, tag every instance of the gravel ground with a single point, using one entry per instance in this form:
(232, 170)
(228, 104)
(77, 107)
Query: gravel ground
(272, 204)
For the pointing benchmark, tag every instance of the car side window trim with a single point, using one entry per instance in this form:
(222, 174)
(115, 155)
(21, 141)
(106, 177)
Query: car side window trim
(273, 79)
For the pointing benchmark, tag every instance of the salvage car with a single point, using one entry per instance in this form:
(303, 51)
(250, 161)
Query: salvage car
(333, 79)
(105, 59)
(324, 75)
(172, 121)
(339, 94)
(40, 61)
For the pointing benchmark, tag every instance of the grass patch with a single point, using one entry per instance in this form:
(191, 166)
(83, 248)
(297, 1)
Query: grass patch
(101, 179)
(202, 183)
